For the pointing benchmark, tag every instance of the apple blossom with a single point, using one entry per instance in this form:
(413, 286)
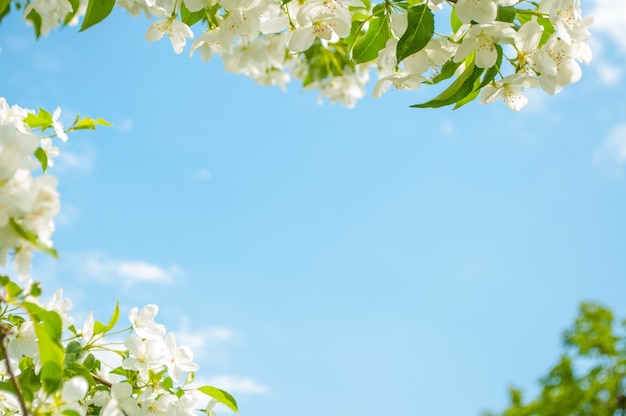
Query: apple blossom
(177, 31)
(482, 39)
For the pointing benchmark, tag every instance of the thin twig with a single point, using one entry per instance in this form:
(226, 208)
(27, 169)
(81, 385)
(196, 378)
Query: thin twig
(101, 380)
(3, 332)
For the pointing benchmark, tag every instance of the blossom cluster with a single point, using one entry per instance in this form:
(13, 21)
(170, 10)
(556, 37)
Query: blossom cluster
(494, 48)
(48, 365)
(28, 203)
(145, 373)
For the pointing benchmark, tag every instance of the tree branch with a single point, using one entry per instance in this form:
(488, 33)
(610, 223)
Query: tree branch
(3, 332)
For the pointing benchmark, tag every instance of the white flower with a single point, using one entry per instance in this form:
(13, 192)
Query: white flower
(57, 126)
(346, 89)
(510, 90)
(120, 400)
(74, 389)
(177, 31)
(207, 44)
(143, 322)
(400, 80)
(196, 5)
(179, 359)
(50, 150)
(567, 69)
(161, 405)
(144, 355)
(62, 306)
(15, 151)
(24, 342)
(530, 58)
(87, 332)
(8, 403)
(324, 19)
(481, 11)
(483, 39)
(14, 116)
(187, 403)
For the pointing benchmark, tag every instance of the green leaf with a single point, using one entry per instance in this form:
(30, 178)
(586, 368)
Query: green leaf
(420, 30)
(97, 10)
(458, 90)
(42, 120)
(75, 5)
(470, 97)
(506, 14)
(190, 18)
(5, 8)
(12, 290)
(51, 377)
(99, 327)
(455, 22)
(42, 157)
(221, 396)
(48, 327)
(32, 238)
(447, 71)
(89, 123)
(366, 49)
(28, 381)
(379, 9)
(76, 369)
(6, 386)
(35, 19)
(35, 289)
(70, 413)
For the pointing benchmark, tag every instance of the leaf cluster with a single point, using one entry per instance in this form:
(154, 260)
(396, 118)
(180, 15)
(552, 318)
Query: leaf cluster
(38, 379)
(589, 378)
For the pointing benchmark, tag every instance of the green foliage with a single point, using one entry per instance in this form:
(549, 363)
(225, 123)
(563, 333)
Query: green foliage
(42, 120)
(590, 376)
(190, 18)
(88, 123)
(506, 14)
(221, 396)
(420, 30)
(366, 48)
(5, 8)
(100, 328)
(461, 87)
(97, 10)
(32, 238)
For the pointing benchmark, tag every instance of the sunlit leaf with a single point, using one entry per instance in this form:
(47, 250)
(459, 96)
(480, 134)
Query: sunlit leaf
(420, 30)
(221, 396)
(366, 48)
(97, 10)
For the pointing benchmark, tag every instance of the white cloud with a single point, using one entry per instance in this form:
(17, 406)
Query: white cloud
(202, 174)
(125, 126)
(67, 216)
(609, 17)
(237, 385)
(447, 128)
(104, 269)
(609, 74)
(72, 161)
(203, 338)
(211, 344)
(612, 155)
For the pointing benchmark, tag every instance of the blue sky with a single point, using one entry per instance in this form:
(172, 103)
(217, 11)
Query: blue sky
(321, 260)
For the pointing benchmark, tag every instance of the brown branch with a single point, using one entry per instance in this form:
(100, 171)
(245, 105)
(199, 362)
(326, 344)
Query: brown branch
(3, 332)
(101, 380)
